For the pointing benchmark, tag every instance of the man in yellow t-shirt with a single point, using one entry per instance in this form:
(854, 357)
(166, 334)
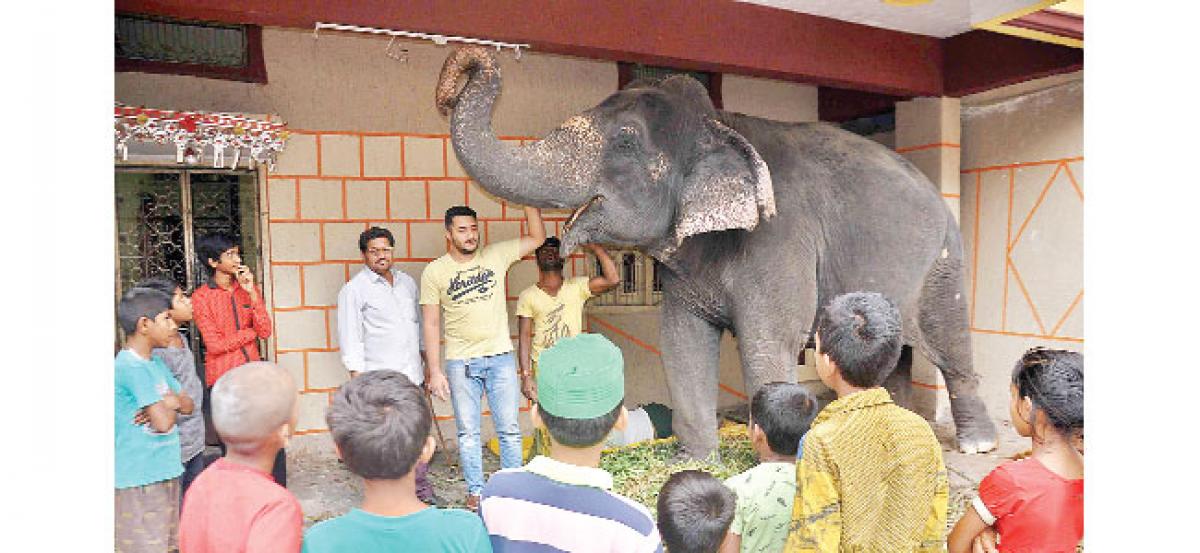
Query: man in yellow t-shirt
(466, 286)
(553, 307)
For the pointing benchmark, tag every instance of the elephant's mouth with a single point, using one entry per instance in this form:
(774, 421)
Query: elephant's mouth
(579, 211)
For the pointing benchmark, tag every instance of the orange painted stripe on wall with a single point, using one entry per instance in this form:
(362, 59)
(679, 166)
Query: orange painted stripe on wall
(929, 146)
(1026, 335)
(1022, 164)
(928, 386)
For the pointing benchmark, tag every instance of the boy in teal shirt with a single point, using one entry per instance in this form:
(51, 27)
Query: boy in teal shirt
(147, 403)
(380, 425)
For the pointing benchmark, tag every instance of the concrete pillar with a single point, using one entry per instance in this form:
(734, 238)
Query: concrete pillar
(928, 131)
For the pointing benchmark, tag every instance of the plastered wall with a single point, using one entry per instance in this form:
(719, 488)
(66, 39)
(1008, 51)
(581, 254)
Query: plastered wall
(327, 189)
(370, 149)
(1022, 202)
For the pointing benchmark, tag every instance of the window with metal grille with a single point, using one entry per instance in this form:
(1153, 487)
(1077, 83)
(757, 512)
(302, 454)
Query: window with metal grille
(641, 284)
(159, 215)
(202, 49)
(629, 72)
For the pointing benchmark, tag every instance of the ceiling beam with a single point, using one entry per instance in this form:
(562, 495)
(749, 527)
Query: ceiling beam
(839, 105)
(859, 68)
(982, 60)
(707, 35)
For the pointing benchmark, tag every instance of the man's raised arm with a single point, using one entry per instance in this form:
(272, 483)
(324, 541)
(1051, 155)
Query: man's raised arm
(537, 231)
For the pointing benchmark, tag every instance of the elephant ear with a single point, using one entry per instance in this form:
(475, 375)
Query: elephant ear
(729, 186)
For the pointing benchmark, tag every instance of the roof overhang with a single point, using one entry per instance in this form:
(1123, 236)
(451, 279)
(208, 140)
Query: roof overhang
(706, 35)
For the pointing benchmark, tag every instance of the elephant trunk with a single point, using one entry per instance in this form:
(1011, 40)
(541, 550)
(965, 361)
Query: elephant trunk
(556, 172)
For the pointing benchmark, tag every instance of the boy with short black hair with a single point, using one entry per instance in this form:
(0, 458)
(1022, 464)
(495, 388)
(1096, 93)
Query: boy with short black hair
(870, 476)
(148, 400)
(780, 414)
(544, 505)
(380, 425)
(230, 312)
(178, 357)
(235, 505)
(231, 316)
(694, 512)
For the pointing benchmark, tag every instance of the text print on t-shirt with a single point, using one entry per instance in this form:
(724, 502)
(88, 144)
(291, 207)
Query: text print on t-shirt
(474, 284)
(555, 328)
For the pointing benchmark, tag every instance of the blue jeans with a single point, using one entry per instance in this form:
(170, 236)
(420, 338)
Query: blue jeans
(495, 375)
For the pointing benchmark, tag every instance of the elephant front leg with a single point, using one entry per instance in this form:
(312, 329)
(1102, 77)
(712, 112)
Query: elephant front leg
(691, 350)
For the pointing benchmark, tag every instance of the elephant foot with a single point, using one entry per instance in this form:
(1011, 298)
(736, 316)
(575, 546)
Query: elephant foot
(976, 438)
(686, 455)
(974, 429)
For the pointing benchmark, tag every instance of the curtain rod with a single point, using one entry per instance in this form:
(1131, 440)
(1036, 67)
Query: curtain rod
(440, 40)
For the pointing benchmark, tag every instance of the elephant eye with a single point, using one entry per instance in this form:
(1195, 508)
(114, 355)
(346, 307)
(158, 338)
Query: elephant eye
(626, 138)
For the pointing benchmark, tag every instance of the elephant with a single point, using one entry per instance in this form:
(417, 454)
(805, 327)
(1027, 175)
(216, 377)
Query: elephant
(758, 223)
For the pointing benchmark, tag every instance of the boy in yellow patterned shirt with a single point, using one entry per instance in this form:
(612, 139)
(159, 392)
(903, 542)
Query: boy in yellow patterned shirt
(870, 476)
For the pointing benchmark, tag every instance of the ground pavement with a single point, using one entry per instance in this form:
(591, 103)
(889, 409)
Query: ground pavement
(326, 489)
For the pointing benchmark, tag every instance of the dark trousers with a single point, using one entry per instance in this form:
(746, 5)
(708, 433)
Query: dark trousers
(191, 470)
(424, 488)
(278, 470)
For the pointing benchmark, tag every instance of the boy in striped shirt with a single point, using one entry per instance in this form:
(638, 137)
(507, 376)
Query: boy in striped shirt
(564, 502)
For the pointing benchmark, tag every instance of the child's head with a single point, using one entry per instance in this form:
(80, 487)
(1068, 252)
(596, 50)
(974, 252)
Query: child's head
(858, 336)
(254, 408)
(144, 314)
(181, 304)
(1047, 387)
(380, 423)
(218, 252)
(780, 414)
(581, 390)
(694, 512)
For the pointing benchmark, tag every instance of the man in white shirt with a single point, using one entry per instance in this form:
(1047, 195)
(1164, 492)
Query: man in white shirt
(379, 321)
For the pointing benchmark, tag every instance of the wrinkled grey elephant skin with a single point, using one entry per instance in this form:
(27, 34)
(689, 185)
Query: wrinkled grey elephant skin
(758, 222)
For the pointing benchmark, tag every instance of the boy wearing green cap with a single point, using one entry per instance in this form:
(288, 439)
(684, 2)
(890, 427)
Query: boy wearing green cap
(581, 391)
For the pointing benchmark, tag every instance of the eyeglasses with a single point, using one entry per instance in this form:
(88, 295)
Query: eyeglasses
(380, 252)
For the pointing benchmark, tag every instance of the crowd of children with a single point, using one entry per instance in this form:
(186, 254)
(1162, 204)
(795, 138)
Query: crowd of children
(860, 474)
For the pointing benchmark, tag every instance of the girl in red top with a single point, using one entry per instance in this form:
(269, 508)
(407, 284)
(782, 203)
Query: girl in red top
(1035, 504)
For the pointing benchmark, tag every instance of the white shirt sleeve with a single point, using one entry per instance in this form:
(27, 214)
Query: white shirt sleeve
(983, 511)
(416, 299)
(350, 324)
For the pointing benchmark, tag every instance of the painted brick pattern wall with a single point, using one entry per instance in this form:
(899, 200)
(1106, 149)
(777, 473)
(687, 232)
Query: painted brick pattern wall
(326, 189)
(1023, 197)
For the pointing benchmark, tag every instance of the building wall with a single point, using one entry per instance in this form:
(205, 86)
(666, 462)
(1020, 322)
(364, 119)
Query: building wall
(1022, 220)
(369, 148)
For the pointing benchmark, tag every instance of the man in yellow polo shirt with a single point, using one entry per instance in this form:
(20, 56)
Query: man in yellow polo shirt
(466, 286)
(553, 307)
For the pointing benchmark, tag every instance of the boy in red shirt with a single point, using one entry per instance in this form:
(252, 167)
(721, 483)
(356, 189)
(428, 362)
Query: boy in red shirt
(230, 314)
(228, 309)
(234, 506)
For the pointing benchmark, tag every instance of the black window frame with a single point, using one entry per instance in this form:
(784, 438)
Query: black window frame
(625, 75)
(254, 71)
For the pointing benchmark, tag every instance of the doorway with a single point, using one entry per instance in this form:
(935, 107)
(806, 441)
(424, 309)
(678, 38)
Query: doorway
(159, 214)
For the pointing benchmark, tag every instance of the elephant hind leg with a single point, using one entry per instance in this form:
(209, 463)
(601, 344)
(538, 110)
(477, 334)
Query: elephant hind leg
(946, 342)
(899, 383)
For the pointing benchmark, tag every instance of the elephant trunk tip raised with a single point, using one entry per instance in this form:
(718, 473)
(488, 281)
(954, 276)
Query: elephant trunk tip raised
(461, 61)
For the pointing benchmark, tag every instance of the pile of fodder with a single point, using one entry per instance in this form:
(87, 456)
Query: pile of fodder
(640, 470)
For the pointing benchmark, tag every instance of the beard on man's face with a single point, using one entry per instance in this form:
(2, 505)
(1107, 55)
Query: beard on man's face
(464, 247)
